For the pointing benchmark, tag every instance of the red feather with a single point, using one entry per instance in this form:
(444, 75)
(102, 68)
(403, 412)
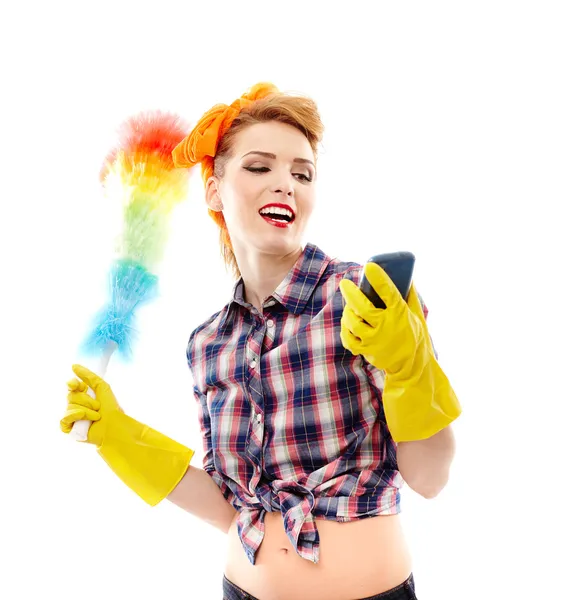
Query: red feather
(151, 134)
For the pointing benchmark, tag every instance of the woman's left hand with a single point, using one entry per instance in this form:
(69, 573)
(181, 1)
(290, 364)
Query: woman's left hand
(388, 338)
(417, 396)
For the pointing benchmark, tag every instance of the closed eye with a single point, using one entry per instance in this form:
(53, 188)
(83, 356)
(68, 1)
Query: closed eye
(257, 169)
(299, 176)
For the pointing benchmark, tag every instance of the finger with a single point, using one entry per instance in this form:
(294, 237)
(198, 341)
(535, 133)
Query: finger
(359, 302)
(351, 342)
(83, 399)
(361, 330)
(75, 385)
(383, 284)
(92, 380)
(77, 413)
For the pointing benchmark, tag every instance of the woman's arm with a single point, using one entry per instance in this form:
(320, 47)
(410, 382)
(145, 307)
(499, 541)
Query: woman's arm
(425, 464)
(199, 495)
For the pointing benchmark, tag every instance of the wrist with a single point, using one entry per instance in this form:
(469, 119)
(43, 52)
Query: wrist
(147, 461)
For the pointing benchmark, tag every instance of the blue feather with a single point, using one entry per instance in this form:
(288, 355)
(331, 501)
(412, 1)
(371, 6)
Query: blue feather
(130, 286)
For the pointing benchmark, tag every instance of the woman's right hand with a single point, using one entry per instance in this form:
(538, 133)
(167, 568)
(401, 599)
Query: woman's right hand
(81, 406)
(148, 462)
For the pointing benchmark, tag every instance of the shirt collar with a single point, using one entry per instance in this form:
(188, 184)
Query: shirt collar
(295, 289)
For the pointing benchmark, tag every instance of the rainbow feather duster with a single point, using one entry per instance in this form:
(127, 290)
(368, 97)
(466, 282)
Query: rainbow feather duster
(138, 173)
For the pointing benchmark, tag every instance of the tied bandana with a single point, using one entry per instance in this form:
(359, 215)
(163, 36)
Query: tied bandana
(201, 144)
(203, 140)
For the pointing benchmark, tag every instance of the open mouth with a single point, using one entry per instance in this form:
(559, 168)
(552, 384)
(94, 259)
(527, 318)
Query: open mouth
(281, 217)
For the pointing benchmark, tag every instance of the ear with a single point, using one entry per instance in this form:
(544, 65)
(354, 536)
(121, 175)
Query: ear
(212, 194)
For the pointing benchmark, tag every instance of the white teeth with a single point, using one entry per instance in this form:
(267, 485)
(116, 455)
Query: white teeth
(273, 210)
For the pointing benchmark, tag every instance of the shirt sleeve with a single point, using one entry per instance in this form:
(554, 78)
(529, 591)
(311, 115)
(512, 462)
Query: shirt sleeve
(193, 356)
(208, 459)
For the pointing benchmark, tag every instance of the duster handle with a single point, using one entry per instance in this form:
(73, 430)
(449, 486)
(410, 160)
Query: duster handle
(80, 429)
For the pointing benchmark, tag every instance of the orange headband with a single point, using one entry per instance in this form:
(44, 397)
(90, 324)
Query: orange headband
(201, 144)
(203, 140)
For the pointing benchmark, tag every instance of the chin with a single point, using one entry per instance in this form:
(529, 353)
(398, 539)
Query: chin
(274, 245)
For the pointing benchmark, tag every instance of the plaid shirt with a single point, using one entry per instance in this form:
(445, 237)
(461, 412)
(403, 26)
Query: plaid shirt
(291, 420)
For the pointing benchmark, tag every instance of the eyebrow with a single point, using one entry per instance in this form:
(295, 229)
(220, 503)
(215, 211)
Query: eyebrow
(271, 155)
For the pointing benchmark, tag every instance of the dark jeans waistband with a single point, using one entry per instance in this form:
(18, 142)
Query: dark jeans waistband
(404, 591)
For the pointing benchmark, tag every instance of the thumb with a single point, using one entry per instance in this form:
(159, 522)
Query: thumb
(91, 379)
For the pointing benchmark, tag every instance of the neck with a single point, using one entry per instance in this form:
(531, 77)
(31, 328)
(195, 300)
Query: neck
(263, 273)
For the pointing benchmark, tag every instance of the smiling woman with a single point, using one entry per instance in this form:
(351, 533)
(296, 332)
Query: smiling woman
(303, 415)
(254, 180)
(266, 134)
(300, 451)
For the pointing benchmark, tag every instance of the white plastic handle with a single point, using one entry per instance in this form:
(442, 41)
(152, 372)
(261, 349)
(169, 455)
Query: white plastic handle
(80, 429)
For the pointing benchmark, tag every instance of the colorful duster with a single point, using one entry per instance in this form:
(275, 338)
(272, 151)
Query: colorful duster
(140, 174)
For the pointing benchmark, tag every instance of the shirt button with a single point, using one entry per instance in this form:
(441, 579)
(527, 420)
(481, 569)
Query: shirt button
(258, 418)
(253, 364)
(270, 323)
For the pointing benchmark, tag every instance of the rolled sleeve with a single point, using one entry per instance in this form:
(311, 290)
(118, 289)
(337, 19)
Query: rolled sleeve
(208, 456)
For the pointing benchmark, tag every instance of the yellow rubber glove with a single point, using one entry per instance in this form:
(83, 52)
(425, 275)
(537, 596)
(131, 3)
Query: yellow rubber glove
(418, 398)
(150, 463)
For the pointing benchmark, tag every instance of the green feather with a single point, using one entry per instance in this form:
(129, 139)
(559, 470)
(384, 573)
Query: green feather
(145, 231)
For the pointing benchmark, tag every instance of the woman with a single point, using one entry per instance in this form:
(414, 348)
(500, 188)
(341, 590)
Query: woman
(314, 406)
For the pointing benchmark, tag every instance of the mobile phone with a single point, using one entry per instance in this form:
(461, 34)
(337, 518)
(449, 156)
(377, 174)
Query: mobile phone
(399, 267)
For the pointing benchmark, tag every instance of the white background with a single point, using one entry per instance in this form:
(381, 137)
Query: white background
(443, 134)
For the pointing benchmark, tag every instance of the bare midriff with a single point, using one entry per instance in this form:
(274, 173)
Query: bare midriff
(357, 559)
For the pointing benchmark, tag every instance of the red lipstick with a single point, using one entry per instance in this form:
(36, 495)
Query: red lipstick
(278, 223)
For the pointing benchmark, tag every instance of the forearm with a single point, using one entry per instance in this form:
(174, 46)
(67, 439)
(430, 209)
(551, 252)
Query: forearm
(425, 464)
(199, 495)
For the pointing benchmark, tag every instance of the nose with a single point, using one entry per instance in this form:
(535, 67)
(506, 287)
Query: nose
(285, 191)
(285, 188)
(284, 184)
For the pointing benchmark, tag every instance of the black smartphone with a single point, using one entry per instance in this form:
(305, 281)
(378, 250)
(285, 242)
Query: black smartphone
(399, 267)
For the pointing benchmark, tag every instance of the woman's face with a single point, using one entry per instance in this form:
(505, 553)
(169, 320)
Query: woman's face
(272, 169)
